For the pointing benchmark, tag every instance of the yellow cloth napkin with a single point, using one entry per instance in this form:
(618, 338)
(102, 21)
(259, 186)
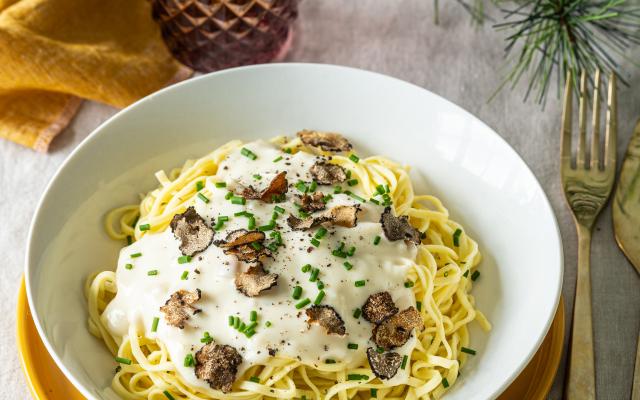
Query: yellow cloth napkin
(54, 52)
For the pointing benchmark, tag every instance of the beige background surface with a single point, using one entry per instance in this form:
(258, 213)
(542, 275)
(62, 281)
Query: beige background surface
(454, 60)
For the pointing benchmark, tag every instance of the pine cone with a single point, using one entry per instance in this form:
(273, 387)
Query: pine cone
(209, 35)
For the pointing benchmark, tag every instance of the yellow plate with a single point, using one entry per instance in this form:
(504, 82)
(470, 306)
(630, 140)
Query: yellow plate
(46, 382)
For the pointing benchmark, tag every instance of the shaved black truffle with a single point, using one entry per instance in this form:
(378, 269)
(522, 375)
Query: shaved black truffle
(218, 365)
(346, 216)
(327, 141)
(255, 281)
(327, 174)
(384, 365)
(327, 317)
(245, 245)
(311, 203)
(192, 231)
(179, 307)
(276, 189)
(396, 228)
(378, 307)
(395, 330)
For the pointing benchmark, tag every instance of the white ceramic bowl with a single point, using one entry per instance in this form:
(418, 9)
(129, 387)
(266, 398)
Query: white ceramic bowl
(484, 183)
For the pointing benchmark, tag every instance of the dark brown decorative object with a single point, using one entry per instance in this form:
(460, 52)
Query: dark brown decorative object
(209, 35)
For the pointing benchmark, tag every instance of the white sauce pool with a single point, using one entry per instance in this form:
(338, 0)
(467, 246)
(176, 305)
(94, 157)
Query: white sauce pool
(383, 267)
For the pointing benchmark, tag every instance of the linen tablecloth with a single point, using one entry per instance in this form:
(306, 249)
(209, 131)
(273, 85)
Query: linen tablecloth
(455, 60)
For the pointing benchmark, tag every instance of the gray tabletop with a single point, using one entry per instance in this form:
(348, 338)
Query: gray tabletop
(455, 60)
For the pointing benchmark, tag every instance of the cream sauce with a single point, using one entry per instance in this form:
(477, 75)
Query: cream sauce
(383, 267)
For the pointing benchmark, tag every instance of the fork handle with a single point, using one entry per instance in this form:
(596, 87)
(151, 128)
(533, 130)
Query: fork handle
(581, 383)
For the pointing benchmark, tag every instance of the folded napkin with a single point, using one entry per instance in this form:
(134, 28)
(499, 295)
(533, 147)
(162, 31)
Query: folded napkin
(55, 52)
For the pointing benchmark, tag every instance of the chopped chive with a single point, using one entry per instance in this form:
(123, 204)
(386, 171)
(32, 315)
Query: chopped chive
(320, 233)
(272, 246)
(145, 227)
(445, 383)
(456, 237)
(355, 196)
(248, 153)
(360, 283)
(386, 188)
(306, 268)
(352, 251)
(184, 259)
(184, 275)
(268, 227)
(408, 284)
(380, 350)
(189, 361)
(354, 158)
(267, 324)
(249, 333)
(315, 242)
(320, 285)
(236, 322)
(218, 225)
(374, 393)
(404, 362)
(468, 350)
(329, 361)
(123, 360)
(357, 377)
(446, 273)
(327, 198)
(129, 240)
(257, 177)
(223, 218)
(254, 379)
(253, 316)
(356, 313)
(242, 327)
(341, 246)
(297, 293)
(303, 214)
(128, 266)
(168, 395)
(352, 182)
(339, 253)
(256, 245)
(419, 305)
(231, 320)
(376, 240)
(303, 303)
(287, 150)
(466, 273)
(274, 216)
(279, 158)
(238, 200)
(348, 265)
(154, 324)
(251, 223)
(475, 275)
(243, 214)
(352, 346)
(302, 187)
(207, 338)
(374, 201)
(228, 195)
(337, 189)
(200, 186)
(221, 184)
(319, 297)
(380, 189)
(152, 272)
(279, 209)
(313, 186)
(251, 326)
(314, 275)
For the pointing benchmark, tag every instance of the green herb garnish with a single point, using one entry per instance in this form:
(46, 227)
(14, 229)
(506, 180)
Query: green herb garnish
(248, 153)
(154, 324)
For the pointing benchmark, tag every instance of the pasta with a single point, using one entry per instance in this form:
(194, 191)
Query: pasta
(441, 276)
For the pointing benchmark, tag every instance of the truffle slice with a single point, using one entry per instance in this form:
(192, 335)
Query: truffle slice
(218, 365)
(378, 307)
(327, 174)
(245, 245)
(396, 228)
(328, 318)
(192, 231)
(384, 365)
(327, 141)
(346, 216)
(395, 330)
(179, 307)
(255, 281)
(312, 202)
(277, 188)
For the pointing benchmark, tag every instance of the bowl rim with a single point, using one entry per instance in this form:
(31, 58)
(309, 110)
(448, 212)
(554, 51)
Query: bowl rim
(98, 131)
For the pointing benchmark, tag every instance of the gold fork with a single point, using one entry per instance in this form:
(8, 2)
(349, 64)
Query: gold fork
(587, 186)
